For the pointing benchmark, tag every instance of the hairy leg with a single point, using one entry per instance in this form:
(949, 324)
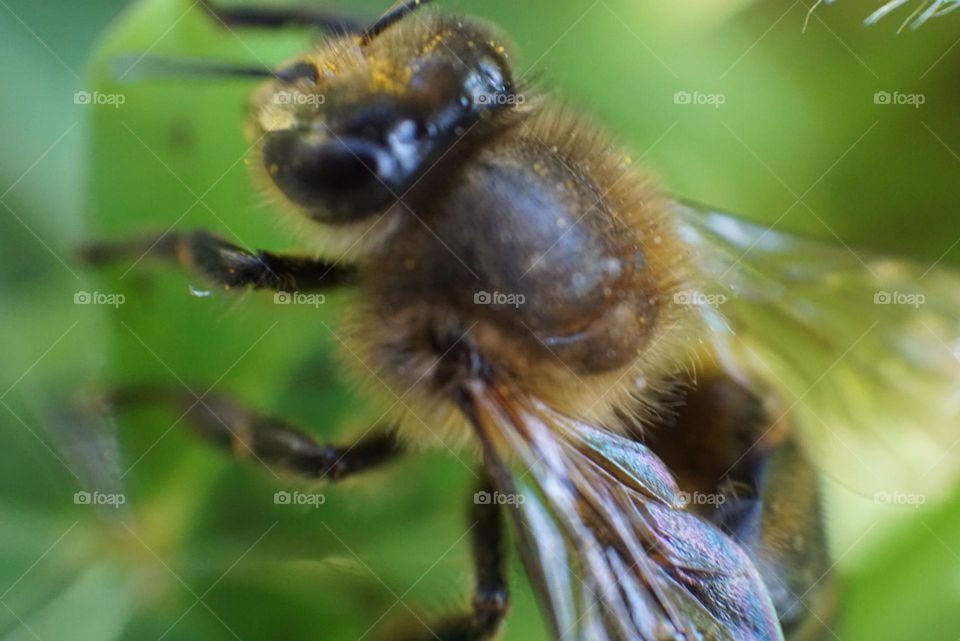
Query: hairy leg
(221, 262)
(271, 441)
(491, 599)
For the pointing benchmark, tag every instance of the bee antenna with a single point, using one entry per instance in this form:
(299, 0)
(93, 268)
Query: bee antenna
(390, 18)
(135, 67)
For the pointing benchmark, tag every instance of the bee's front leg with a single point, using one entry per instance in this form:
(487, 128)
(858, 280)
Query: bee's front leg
(272, 442)
(491, 598)
(221, 262)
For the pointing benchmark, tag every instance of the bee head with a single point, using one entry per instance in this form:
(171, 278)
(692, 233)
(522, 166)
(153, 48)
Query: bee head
(347, 129)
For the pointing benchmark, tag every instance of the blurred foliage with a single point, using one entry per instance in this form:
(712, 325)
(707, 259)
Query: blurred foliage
(801, 141)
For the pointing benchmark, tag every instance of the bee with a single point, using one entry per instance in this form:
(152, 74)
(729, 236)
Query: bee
(646, 381)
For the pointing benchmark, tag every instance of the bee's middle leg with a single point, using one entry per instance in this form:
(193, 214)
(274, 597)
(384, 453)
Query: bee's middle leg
(270, 441)
(491, 598)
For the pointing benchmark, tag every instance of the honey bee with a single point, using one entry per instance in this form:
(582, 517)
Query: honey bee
(645, 380)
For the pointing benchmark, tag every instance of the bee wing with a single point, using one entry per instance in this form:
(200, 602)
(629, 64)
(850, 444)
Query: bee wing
(604, 534)
(858, 348)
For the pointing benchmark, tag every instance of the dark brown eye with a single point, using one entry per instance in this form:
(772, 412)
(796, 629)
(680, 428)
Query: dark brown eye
(336, 180)
(492, 72)
(488, 84)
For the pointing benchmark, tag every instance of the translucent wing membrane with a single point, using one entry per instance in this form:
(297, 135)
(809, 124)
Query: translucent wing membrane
(605, 537)
(864, 352)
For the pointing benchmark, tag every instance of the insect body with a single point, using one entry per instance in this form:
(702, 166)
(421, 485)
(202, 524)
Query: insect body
(537, 298)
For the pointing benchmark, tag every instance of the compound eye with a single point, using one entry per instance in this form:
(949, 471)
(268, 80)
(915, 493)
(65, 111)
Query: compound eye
(489, 84)
(492, 72)
(335, 180)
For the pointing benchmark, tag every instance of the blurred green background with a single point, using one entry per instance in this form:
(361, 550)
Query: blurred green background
(200, 549)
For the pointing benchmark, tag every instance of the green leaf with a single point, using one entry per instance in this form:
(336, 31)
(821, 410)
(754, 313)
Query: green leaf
(96, 606)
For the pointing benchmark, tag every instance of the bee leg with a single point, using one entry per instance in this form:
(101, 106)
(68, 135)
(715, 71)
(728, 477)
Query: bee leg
(273, 442)
(221, 262)
(279, 17)
(491, 599)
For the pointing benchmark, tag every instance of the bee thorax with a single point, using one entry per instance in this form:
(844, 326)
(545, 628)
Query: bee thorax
(523, 260)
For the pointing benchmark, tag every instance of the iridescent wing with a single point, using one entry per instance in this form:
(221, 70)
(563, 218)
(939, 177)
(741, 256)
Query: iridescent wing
(864, 351)
(604, 535)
